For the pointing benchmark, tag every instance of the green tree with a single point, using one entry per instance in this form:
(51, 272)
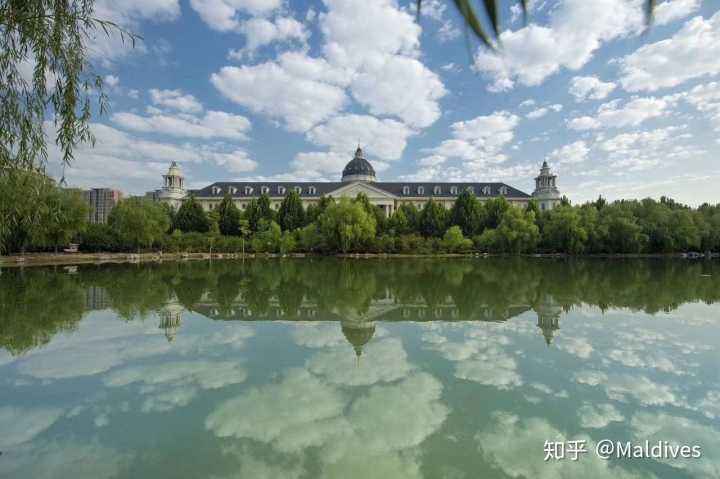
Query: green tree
(413, 216)
(467, 213)
(398, 223)
(453, 241)
(622, 232)
(268, 238)
(229, 217)
(65, 216)
(291, 214)
(346, 226)
(517, 233)
(375, 211)
(563, 231)
(433, 219)
(23, 208)
(138, 222)
(191, 217)
(265, 209)
(252, 215)
(495, 209)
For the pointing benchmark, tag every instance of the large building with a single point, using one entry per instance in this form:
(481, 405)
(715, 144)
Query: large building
(101, 202)
(357, 177)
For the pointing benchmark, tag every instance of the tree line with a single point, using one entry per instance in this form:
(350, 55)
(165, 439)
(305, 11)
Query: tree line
(49, 216)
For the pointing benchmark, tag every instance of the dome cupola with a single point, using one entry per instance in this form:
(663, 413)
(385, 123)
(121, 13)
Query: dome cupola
(358, 169)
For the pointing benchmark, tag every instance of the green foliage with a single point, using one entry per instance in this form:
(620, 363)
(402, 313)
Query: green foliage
(468, 213)
(495, 209)
(268, 238)
(229, 217)
(65, 216)
(433, 219)
(191, 217)
(563, 231)
(265, 209)
(454, 242)
(517, 233)
(291, 214)
(98, 238)
(398, 224)
(23, 208)
(346, 226)
(138, 223)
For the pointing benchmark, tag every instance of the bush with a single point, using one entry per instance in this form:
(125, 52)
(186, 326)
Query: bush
(97, 238)
(454, 242)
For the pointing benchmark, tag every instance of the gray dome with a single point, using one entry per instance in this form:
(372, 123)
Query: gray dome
(358, 169)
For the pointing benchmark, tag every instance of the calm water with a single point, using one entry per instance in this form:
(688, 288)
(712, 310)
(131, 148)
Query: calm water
(347, 369)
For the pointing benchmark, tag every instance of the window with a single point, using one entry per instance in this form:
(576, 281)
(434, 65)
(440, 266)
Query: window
(503, 190)
(453, 190)
(216, 190)
(470, 189)
(243, 205)
(298, 190)
(542, 206)
(264, 190)
(486, 190)
(437, 190)
(281, 190)
(233, 190)
(312, 190)
(276, 205)
(248, 190)
(421, 190)
(406, 190)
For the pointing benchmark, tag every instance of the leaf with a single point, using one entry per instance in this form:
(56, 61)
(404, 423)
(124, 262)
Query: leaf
(491, 8)
(472, 21)
(649, 10)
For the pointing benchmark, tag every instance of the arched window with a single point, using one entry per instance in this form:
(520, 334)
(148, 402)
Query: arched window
(486, 190)
(312, 190)
(437, 190)
(216, 190)
(248, 190)
(264, 190)
(421, 190)
(406, 190)
(233, 190)
(453, 190)
(281, 190)
(503, 190)
(298, 190)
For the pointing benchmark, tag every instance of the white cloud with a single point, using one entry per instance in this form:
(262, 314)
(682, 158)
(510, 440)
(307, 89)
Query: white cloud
(320, 162)
(222, 15)
(596, 416)
(706, 98)
(576, 30)
(671, 10)
(385, 139)
(590, 88)
(632, 113)
(214, 124)
(270, 89)
(176, 100)
(492, 367)
(693, 52)
(538, 113)
(260, 32)
(576, 152)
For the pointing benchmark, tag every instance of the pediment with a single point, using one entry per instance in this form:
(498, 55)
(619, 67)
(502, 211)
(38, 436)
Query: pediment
(351, 191)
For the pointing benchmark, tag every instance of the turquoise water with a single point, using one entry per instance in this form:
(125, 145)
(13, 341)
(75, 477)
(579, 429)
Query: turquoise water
(357, 368)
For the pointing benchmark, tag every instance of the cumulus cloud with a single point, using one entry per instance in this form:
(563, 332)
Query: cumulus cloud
(615, 115)
(590, 88)
(223, 15)
(576, 152)
(596, 416)
(261, 31)
(492, 367)
(214, 124)
(576, 29)
(692, 52)
(175, 99)
(671, 10)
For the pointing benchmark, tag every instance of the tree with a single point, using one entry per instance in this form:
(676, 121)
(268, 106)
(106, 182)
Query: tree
(265, 209)
(229, 217)
(433, 219)
(468, 213)
(138, 222)
(413, 216)
(268, 238)
(191, 217)
(50, 38)
(399, 224)
(563, 231)
(252, 215)
(517, 233)
(375, 211)
(346, 226)
(291, 214)
(22, 207)
(495, 209)
(65, 216)
(454, 242)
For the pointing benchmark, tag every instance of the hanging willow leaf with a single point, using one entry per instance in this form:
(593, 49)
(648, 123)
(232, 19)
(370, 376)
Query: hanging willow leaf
(649, 9)
(472, 22)
(491, 7)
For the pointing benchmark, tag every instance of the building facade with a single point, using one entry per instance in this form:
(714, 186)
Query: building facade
(357, 177)
(101, 202)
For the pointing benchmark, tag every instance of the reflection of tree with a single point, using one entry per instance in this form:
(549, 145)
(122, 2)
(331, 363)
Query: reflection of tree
(36, 304)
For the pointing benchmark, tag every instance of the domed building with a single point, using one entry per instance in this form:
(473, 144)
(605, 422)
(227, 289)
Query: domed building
(358, 176)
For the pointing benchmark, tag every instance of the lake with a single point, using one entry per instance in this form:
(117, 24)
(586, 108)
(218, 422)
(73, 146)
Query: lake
(329, 368)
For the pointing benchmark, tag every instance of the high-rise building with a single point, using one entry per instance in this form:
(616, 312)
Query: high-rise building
(101, 202)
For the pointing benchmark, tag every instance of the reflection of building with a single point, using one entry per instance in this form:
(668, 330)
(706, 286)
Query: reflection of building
(96, 297)
(548, 317)
(358, 177)
(101, 202)
(171, 319)
(358, 334)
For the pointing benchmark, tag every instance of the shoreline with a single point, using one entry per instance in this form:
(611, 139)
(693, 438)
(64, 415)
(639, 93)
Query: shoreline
(70, 259)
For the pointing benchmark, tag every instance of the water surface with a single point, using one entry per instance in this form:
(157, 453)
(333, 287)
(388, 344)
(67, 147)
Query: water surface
(324, 368)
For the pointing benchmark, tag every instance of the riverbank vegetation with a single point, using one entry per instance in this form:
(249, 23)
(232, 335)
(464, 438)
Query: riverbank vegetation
(52, 216)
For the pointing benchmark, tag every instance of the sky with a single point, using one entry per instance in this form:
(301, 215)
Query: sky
(263, 90)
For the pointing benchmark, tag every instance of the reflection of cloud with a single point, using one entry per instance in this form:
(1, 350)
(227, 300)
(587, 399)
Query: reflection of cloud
(710, 405)
(646, 392)
(595, 416)
(515, 446)
(681, 431)
(20, 424)
(50, 460)
(493, 367)
(314, 335)
(579, 347)
(592, 378)
(383, 360)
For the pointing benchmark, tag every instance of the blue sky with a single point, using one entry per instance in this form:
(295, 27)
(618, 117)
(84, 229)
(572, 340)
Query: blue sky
(286, 89)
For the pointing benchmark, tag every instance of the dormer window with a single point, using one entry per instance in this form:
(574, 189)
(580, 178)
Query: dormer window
(470, 189)
(420, 190)
(406, 190)
(233, 190)
(312, 190)
(248, 190)
(281, 190)
(298, 190)
(437, 190)
(486, 190)
(264, 190)
(503, 190)
(453, 190)
(216, 190)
